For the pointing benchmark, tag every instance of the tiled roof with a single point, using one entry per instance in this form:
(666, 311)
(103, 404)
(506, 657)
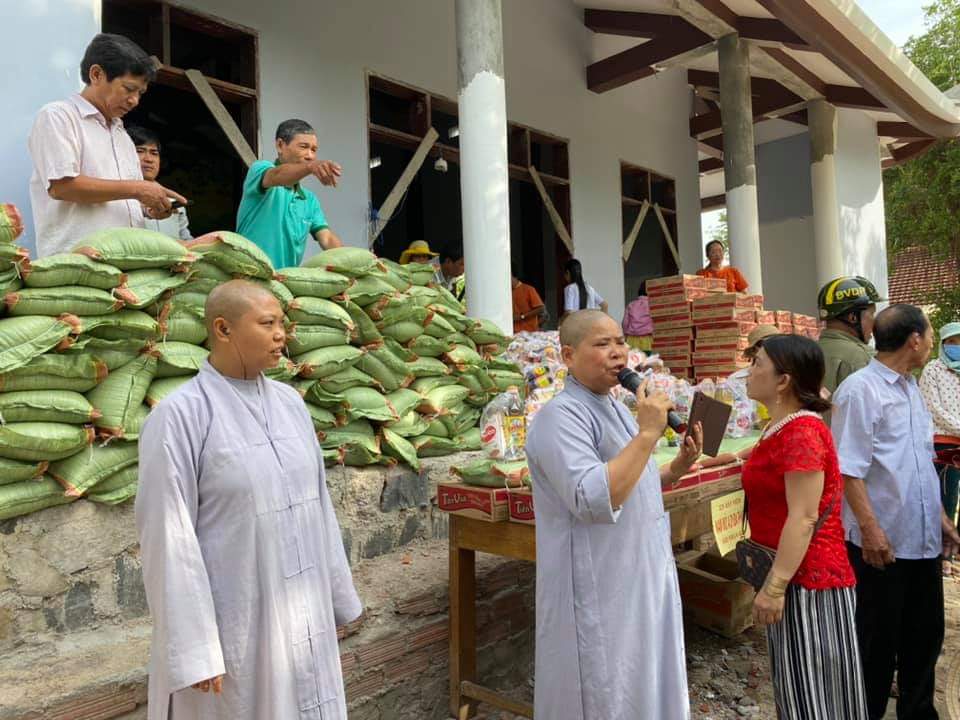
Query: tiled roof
(916, 275)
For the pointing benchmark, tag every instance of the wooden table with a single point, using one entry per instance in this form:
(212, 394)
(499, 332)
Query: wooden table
(515, 540)
(467, 537)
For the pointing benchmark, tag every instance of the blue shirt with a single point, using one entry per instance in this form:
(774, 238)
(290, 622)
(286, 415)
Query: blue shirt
(884, 436)
(278, 219)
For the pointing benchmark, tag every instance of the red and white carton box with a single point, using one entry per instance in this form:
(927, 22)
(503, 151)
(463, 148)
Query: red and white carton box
(716, 285)
(756, 301)
(766, 317)
(785, 328)
(659, 311)
(672, 344)
(675, 284)
(480, 503)
(783, 317)
(738, 342)
(678, 332)
(725, 314)
(684, 373)
(733, 300)
(680, 320)
(676, 298)
(521, 506)
(676, 359)
(725, 330)
(805, 321)
(718, 369)
(716, 357)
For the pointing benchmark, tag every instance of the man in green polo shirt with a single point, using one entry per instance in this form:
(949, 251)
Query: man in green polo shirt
(848, 305)
(276, 212)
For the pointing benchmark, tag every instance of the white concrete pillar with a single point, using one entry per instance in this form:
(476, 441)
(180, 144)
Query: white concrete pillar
(739, 163)
(828, 249)
(484, 180)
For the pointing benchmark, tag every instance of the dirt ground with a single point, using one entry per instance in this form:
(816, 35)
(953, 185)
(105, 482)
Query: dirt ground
(729, 678)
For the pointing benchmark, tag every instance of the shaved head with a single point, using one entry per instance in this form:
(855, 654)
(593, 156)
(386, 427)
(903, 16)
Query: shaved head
(578, 325)
(233, 299)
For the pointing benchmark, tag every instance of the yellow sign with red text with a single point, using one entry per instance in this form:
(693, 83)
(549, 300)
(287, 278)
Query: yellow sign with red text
(726, 519)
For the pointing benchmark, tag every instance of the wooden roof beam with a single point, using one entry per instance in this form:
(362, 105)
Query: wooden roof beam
(713, 202)
(638, 62)
(852, 97)
(907, 152)
(711, 123)
(900, 130)
(711, 165)
(633, 24)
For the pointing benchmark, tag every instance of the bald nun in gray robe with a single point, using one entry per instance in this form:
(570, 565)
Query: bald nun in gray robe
(609, 627)
(243, 562)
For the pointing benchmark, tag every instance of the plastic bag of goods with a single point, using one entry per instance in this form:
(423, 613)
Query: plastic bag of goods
(734, 393)
(503, 426)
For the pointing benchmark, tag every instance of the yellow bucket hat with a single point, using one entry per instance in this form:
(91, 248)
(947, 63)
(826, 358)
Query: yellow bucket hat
(417, 247)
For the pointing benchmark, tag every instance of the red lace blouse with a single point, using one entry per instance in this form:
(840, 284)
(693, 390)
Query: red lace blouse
(802, 445)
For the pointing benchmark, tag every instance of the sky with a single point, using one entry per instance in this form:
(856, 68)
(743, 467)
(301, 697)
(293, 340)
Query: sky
(899, 19)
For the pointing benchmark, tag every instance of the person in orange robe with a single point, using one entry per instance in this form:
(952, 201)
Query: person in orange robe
(715, 253)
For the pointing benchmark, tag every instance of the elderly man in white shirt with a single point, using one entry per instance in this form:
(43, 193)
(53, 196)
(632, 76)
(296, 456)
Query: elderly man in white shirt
(86, 174)
(896, 526)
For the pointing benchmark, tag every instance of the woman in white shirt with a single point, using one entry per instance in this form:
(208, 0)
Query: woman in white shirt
(577, 295)
(940, 386)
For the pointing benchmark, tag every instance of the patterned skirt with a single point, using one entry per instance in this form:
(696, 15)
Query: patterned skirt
(815, 658)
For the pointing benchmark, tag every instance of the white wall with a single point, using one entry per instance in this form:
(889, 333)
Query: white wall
(313, 57)
(860, 194)
(43, 42)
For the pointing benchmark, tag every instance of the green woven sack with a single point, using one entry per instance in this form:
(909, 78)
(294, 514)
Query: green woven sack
(404, 400)
(122, 325)
(346, 379)
(72, 269)
(427, 346)
(443, 400)
(502, 364)
(233, 254)
(437, 327)
(399, 447)
(427, 367)
(82, 471)
(459, 338)
(304, 338)
(399, 350)
(314, 282)
(350, 261)
(322, 418)
(437, 429)
(505, 380)
(46, 406)
(121, 394)
(278, 290)
(391, 362)
(355, 432)
(420, 273)
(430, 446)
(459, 321)
(447, 298)
(11, 223)
(69, 365)
(486, 332)
(179, 358)
(366, 403)
(334, 402)
(409, 312)
(144, 287)
(186, 327)
(369, 289)
(135, 421)
(113, 358)
(117, 488)
(206, 270)
(410, 425)
(284, 371)
(365, 333)
(43, 441)
(134, 249)
(470, 441)
(493, 473)
(463, 358)
(327, 361)
(75, 299)
(403, 332)
(372, 366)
(472, 384)
(23, 498)
(318, 311)
(24, 338)
(182, 302)
(12, 471)
(467, 420)
(10, 282)
(353, 456)
(159, 389)
(423, 385)
(42, 381)
(400, 283)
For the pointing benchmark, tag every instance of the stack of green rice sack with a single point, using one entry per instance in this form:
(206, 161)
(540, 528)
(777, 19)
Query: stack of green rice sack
(390, 367)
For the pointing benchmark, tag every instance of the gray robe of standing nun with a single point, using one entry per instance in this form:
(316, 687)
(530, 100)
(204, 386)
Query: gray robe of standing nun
(609, 624)
(243, 562)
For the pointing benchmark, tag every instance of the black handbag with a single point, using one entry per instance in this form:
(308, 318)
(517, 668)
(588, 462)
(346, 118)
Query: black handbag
(755, 560)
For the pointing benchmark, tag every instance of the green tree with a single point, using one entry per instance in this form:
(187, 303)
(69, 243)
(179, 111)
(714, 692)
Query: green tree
(722, 231)
(922, 196)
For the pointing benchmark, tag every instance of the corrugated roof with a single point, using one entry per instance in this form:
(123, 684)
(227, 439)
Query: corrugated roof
(917, 275)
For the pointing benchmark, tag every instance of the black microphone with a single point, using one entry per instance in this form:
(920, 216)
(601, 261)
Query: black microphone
(631, 380)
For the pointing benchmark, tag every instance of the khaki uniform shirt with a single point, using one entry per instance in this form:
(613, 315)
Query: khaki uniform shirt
(843, 355)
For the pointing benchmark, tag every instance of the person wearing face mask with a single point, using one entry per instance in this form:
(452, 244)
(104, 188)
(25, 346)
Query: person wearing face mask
(243, 562)
(86, 173)
(940, 386)
(609, 636)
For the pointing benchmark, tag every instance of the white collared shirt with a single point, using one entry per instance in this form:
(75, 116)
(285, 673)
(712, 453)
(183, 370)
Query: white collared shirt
(70, 138)
(884, 436)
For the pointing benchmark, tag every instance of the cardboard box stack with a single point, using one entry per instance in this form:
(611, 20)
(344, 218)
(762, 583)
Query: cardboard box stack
(671, 307)
(722, 321)
(806, 325)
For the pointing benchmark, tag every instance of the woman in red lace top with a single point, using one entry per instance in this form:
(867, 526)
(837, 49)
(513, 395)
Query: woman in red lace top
(791, 480)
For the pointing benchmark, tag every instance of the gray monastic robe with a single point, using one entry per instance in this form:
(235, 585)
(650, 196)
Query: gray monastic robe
(609, 623)
(243, 562)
